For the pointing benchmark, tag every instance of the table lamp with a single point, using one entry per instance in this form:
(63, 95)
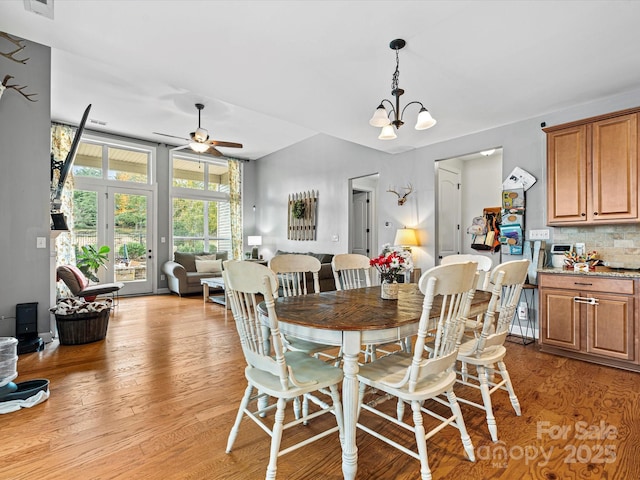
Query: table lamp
(406, 238)
(254, 241)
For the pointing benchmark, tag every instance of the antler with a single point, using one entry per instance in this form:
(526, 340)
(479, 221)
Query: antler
(18, 43)
(4, 86)
(402, 198)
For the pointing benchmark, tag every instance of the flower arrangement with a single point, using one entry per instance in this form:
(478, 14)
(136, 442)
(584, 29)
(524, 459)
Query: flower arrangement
(591, 258)
(392, 262)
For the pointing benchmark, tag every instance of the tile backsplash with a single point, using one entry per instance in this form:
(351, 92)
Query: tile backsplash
(614, 243)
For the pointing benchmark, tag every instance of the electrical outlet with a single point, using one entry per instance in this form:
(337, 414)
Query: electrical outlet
(539, 234)
(163, 277)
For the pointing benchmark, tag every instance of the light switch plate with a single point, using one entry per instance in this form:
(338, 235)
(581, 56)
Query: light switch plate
(539, 234)
(41, 242)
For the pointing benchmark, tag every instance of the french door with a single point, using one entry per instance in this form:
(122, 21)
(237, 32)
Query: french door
(121, 219)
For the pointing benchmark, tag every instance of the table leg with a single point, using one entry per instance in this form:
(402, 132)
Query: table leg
(205, 292)
(350, 352)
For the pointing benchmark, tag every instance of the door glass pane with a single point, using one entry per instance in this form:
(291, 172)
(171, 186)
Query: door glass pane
(88, 162)
(130, 237)
(85, 216)
(128, 165)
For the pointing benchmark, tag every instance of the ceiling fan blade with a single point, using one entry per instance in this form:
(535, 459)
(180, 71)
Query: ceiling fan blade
(218, 143)
(212, 151)
(167, 135)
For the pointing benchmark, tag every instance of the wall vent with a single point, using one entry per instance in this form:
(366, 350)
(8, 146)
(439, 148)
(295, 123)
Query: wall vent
(41, 7)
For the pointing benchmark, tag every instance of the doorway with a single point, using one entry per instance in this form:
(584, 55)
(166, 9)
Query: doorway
(363, 232)
(121, 219)
(480, 187)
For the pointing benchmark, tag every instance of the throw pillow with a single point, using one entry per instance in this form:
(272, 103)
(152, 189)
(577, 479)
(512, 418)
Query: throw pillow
(213, 256)
(208, 266)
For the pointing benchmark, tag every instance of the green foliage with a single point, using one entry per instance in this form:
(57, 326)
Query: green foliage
(298, 209)
(134, 250)
(89, 260)
(85, 209)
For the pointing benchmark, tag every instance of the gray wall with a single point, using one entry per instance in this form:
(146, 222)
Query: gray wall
(25, 131)
(325, 164)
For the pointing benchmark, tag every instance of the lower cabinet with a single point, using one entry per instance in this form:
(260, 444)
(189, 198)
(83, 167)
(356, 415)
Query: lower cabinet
(590, 318)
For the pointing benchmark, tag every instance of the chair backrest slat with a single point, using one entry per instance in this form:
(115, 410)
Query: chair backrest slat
(291, 270)
(351, 270)
(455, 284)
(484, 266)
(507, 280)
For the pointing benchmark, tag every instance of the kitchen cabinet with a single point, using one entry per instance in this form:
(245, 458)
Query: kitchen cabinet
(592, 170)
(589, 318)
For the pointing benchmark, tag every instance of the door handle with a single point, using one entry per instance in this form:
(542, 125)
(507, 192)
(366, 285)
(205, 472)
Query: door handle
(587, 300)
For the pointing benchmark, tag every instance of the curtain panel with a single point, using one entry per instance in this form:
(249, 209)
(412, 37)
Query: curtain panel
(235, 206)
(61, 139)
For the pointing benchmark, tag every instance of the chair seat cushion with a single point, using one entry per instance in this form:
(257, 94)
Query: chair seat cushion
(305, 368)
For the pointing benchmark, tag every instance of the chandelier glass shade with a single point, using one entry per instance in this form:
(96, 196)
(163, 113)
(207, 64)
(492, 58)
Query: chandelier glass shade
(388, 120)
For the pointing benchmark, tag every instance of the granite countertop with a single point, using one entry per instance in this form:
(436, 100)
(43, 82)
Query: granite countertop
(598, 271)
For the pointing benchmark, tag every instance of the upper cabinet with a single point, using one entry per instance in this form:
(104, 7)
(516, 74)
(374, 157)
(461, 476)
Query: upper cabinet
(592, 170)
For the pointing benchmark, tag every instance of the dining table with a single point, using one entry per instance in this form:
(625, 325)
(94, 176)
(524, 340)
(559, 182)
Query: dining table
(350, 319)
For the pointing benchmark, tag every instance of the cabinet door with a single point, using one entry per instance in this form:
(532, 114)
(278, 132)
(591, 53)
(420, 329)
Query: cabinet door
(615, 169)
(560, 319)
(610, 326)
(567, 175)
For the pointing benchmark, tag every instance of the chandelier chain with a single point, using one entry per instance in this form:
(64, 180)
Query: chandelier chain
(396, 74)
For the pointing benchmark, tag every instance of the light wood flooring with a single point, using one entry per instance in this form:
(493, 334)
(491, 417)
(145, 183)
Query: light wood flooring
(157, 398)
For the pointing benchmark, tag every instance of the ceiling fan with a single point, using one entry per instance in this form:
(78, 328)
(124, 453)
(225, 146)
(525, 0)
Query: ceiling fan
(199, 140)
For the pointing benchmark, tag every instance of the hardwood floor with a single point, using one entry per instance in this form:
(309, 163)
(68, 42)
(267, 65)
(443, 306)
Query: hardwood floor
(157, 398)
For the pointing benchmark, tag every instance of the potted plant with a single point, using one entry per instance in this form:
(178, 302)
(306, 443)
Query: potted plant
(89, 260)
(391, 263)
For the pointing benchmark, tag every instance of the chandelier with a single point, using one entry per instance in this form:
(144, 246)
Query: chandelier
(381, 117)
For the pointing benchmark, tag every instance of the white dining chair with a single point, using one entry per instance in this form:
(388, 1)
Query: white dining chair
(484, 270)
(418, 377)
(351, 270)
(275, 372)
(291, 271)
(486, 350)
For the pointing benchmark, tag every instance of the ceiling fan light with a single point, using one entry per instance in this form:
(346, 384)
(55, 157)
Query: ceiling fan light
(380, 117)
(425, 120)
(387, 133)
(201, 135)
(198, 147)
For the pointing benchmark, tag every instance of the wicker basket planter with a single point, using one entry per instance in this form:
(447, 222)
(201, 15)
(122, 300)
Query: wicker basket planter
(79, 328)
(81, 322)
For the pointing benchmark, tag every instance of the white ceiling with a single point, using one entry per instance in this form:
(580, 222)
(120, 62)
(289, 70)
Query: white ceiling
(272, 73)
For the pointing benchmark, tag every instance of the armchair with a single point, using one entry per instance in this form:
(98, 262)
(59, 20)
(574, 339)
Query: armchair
(79, 284)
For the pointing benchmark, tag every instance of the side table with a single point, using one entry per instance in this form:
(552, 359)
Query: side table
(216, 283)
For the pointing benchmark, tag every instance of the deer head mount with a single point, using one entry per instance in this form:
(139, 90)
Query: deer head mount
(18, 43)
(5, 86)
(12, 56)
(402, 198)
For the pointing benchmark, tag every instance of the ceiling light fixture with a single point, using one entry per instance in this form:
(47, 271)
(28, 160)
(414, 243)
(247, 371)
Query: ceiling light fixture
(381, 117)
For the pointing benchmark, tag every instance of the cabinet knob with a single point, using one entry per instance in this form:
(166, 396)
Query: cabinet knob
(595, 213)
(583, 214)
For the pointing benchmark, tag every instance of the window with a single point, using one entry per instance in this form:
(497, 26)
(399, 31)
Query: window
(200, 204)
(121, 164)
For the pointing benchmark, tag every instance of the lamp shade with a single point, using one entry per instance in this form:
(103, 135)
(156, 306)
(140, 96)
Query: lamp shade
(254, 240)
(425, 120)
(387, 133)
(199, 147)
(406, 237)
(380, 118)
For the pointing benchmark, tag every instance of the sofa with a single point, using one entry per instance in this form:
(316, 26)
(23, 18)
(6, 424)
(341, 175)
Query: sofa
(327, 282)
(187, 269)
